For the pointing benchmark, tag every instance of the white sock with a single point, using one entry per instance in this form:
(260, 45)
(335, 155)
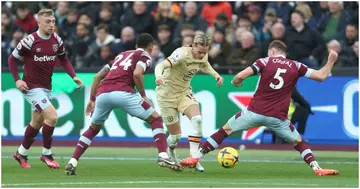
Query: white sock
(22, 151)
(173, 140)
(163, 155)
(314, 165)
(194, 147)
(46, 151)
(73, 162)
(197, 154)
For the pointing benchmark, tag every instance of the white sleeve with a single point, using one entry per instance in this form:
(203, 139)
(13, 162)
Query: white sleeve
(175, 57)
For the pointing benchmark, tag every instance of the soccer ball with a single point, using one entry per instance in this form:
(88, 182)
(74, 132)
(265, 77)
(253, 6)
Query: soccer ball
(228, 157)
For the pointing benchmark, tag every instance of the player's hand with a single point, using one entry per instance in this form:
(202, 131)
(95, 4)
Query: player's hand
(22, 86)
(148, 101)
(78, 82)
(90, 108)
(332, 56)
(160, 81)
(236, 84)
(219, 80)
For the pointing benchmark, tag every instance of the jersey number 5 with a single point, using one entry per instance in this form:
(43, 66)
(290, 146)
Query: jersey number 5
(126, 63)
(279, 78)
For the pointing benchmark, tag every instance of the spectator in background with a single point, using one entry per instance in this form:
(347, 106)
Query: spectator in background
(85, 18)
(102, 38)
(69, 26)
(211, 9)
(17, 36)
(220, 49)
(80, 51)
(264, 33)
(166, 45)
(351, 35)
(25, 19)
(334, 23)
(283, 11)
(352, 58)
(156, 55)
(5, 46)
(186, 29)
(335, 46)
(190, 17)
(61, 12)
(277, 33)
(304, 44)
(126, 42)
(223, 22)
(238, 33)
(166, 16)
(248, 54)
(254, 13)
(106, 56)
(320, 11)
(306, 10)
(139, 19)
(244, 22)
(7, 23)
(105, 17)
(187, 40)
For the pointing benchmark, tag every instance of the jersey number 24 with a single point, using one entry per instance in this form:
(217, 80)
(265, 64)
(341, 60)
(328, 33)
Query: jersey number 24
(126, 63)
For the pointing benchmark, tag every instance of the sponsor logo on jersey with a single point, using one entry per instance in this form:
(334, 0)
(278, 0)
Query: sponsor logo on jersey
(38, 49)
(44, 100)
(44, 58)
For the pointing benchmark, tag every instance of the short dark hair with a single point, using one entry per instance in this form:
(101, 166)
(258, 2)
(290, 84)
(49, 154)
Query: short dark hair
(164, 27)
(103, 26)
(279, 45)
(144, 40)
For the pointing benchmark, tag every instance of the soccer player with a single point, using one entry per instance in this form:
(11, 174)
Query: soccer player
(174, 93)
(117, 91)
(270, 103)
(40, 50)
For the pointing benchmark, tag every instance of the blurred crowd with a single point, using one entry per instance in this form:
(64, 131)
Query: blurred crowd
(95, 32)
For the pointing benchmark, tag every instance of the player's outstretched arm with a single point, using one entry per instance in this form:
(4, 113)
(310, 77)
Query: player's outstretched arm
(210, 70)
(159, 69)
(97, 79)
(241, 76)
(323, 73)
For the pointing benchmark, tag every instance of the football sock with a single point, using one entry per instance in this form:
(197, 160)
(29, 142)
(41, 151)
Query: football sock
(307, 155)
(173, 140)
(159, 134)
(47, 133)
(211, 143)
(29, 138)
(84, 142)
(195, 138)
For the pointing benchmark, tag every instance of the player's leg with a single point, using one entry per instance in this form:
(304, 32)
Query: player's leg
(285, 130)
(103, 107)
(31, 132)
(193, 113)
(171, 120)
(144, 111)
(241, 121)
(50, 119)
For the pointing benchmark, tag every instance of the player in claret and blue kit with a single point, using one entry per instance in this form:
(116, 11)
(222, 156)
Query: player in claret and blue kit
(40, 51)
(116, 90)
(270, 104)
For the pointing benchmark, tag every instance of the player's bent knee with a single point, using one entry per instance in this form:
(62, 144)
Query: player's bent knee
(227, 129)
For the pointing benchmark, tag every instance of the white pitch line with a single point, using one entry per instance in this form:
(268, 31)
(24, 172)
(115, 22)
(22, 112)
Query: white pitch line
(205, 160)
(172, 182)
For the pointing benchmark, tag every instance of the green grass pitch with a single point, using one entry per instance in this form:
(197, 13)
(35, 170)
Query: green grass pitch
(136, 167)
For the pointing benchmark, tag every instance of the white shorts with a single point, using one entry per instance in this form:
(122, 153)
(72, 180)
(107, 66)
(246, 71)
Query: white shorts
(39, 98)
(131, 103)
(247, 119)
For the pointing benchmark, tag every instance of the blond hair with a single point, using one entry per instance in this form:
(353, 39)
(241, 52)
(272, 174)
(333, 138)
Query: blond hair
(306, 10)
(46, 12)
(202, 39)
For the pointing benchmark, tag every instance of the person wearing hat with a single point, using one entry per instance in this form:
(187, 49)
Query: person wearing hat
(220, 48)
(254, 13)
(269, 19)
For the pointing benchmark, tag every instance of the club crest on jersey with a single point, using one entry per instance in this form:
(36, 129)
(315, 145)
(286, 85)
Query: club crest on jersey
(55, 47)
